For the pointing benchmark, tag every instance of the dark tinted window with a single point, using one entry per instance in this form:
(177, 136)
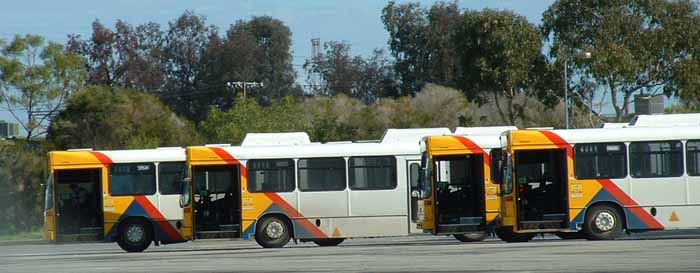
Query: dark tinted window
(132, 179)
(693, 156)
(600, 160)
(497, 164)
(271, 175)
(656, 159)
(372, 173)
(214, 180)
(170, 175)
(322, 174)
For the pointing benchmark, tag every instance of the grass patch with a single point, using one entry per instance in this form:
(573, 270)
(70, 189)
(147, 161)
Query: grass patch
(32, 235)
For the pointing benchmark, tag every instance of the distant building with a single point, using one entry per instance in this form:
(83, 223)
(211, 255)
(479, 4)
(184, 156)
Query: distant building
(8, 129)
(648, 105)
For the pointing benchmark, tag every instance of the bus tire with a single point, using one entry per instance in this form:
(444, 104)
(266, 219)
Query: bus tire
(471, 237)
(570, 235)
(508, 235)
(135, 235)
(273, 232)
(603, 222)
(329, 241)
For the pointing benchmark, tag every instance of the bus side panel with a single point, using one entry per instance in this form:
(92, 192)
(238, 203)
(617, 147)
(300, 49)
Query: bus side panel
(119, 208)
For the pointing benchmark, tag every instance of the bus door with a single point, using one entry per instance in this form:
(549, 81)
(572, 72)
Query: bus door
(216, 201)
(459, 194)
(78, 205)
(541, 191)
(415, 206)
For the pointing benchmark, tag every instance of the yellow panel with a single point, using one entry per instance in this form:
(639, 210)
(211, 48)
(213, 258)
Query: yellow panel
(253, 206)
(438, 144)
(63, 158)
(581, 192)
(201, 155)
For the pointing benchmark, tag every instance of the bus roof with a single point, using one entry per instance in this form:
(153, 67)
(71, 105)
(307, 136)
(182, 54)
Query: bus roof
(166, 154)
(611, 134)
(667, 120)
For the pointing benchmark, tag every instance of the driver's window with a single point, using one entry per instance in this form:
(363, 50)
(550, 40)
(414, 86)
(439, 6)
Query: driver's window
(508, 175)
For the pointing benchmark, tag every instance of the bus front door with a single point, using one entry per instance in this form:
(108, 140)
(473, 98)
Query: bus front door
(216, 201)
(77, 205)
(459, 194)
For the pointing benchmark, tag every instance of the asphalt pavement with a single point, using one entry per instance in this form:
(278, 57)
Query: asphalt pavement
(666, 252)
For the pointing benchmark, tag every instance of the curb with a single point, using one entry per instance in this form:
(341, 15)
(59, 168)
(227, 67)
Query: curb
(23, 242)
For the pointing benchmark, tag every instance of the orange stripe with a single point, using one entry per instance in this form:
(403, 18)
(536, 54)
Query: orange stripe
(224, 155)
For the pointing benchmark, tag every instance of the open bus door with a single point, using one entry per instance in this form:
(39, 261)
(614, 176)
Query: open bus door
(215, 209)
(74, 209)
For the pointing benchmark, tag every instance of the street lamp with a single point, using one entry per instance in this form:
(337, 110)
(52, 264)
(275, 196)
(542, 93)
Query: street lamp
(584, 55)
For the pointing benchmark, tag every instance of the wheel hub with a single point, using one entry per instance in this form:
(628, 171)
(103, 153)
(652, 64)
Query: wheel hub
(605, 221)
(134, 233)
(274, 230)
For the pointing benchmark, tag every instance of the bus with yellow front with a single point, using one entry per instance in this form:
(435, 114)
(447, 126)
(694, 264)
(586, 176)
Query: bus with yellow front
(280, 186)
(460, 197)
(597, 183)
(126, 196)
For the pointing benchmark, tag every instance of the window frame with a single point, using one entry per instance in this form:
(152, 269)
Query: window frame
(299, 168)
(679, 152)
(250, 171)
(625, 158)
(687, 156)
(392, 166)
(179, 188)
(154, 181)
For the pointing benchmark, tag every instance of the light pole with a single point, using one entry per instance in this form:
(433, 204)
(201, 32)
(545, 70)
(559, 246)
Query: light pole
(585, 55)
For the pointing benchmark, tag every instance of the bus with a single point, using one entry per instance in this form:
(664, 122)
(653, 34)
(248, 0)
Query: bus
(275, 187)
(460, 197)
(128, 196)
(597, 183)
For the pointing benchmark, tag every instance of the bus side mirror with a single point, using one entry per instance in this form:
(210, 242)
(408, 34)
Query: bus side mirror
(186, 192)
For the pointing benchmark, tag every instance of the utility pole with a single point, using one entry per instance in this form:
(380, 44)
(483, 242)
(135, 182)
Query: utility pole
(585, 55)
(244, 86)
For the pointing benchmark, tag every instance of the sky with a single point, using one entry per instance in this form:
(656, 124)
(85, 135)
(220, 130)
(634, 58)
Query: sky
(358, 22)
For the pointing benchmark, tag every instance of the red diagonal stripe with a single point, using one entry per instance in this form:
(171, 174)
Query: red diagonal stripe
(610, 186)
(279, 201)
(102, 158)
(157, 217)
(287, 208)
(471, 145)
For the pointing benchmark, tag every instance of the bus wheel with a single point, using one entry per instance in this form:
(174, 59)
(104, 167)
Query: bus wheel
(272, 232)
(507, 235)
(135, 235)
(603, 222)
(570, 235)
(329, 241)
(471, 237)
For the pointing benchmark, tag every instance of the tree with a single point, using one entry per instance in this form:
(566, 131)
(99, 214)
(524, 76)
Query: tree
(638, 46)
(500, 54)
(421, 43)
(187, 58)
(102, 117)
(35, 80)
(22, 174)
(258, 50)
(365, 79)
(128, 57)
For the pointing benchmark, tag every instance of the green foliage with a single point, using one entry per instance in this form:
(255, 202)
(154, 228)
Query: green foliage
(500, 54)
(22, 174)
(420, 42)
(35, 80)
(102, 117)
(637, 46)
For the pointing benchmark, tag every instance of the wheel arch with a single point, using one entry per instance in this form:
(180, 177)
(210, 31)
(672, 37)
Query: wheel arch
(281, 215)
(613, 204)
(149, 225)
